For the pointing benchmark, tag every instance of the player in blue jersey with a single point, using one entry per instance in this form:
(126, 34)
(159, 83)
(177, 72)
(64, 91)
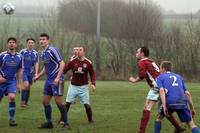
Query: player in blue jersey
(10, 76)
(54, 84)
(174, 97)
(30, 65)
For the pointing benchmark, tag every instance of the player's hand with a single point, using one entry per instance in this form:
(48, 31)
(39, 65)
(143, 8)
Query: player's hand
(19, 86)
(93, 87)
(36, 77)
(132, 79)
(2, 79)
(165, 112)
(56, 81)
(193, 113)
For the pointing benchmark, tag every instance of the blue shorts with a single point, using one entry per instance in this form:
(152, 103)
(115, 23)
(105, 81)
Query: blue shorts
(52, 90)
(81, 91)
(28, 77)
(8, 87)
(183, 114)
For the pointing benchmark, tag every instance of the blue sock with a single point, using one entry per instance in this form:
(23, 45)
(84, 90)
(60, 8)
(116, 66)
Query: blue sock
(27, 96)
(11, 108)
(157, 126)
(23, 96)
(195, 130)
(47, 111)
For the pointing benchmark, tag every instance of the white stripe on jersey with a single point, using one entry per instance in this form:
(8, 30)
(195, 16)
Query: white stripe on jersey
(55, 52)
(88, 60)
(153, 81)
(56, 63)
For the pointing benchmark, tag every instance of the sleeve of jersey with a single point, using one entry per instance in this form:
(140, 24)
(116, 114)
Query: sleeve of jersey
(184, 86)
(92, 75)
(57, 54)
(159, 82)
(67, 67)
(142, 70)
(20, 64)
(37, 58)
(1, 59)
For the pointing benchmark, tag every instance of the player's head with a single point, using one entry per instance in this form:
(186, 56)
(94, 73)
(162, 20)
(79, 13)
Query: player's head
(81, 51)
(12, 43)
(75, 51)
(142, 52)
(166, 66)
(44, 40)
(30, 43)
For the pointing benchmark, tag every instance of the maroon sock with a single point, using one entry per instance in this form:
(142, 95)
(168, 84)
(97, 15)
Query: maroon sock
(144, 121)
(174, 122)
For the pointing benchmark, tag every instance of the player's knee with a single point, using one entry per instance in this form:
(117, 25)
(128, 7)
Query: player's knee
(87, 106)
(12, 98)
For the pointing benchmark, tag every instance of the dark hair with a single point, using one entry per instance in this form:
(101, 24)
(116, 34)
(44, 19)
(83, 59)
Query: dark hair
(28, 39)
(44, 35)
(145, 50)
(167, 65)
(11, 38)
(82, 46)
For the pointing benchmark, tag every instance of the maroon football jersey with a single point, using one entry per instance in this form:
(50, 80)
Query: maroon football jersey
(80, 70)
(149, 70)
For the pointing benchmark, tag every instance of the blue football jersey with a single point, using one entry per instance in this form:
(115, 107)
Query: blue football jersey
(9, 65)
(175, 89)
(51, 58)
(29, 58)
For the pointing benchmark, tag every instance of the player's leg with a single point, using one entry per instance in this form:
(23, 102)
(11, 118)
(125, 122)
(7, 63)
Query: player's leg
(85, 100)
(30, 81)
(159, 118)
(11, 109)
(71, 95)
(152, 98)
(24, 90)
(58, 93)
(185, 116)
(11, 91)
(47, 94)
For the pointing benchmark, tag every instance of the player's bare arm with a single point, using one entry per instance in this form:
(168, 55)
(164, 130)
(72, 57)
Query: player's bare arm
(163, 100)
(19, 80)
(40, 74)
(191, 105)
(60, 71)
(2, 79)
(134, 80)
(36, 69)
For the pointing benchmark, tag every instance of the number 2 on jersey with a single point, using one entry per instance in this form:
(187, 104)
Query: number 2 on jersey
(174, 81)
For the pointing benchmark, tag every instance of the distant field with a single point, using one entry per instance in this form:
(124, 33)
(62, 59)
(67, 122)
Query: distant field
(117, 108)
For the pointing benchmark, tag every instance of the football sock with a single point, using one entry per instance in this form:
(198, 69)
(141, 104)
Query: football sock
(63, 112)
(11, 108)
(23, 95)
(144, 121)
(67, 105)
(27, 96)
(157, 126)
(88, 111)
(195, 130)
(47, 111)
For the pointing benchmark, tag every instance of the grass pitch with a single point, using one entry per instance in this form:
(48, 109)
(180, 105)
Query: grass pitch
(117, 108)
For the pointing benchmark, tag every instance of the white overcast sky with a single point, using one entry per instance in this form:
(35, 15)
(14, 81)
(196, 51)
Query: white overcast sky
(179, 6)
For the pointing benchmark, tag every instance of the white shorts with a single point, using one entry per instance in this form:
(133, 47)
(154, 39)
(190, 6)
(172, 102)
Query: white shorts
(81, 91)
(153, 95)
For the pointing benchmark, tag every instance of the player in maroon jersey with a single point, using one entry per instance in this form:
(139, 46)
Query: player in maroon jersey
(81, 67)
(149, 70)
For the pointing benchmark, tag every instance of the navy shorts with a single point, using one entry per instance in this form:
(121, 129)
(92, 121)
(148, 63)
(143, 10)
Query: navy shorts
(8, 87)
(183, 114)
(52, 90)
(28, 78)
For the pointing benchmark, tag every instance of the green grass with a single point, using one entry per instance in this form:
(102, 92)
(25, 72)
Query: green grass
(117, 108)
